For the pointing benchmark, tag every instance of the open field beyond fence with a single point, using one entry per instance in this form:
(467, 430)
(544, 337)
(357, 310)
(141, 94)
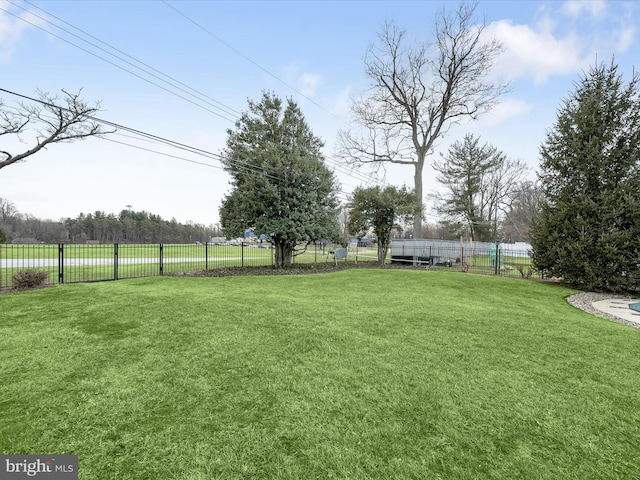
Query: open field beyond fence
(358, 374)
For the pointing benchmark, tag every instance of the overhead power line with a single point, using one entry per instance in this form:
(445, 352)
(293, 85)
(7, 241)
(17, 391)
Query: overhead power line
(115, 64)
(246, 57)
(224, 107)
(173, 83)
(156, 138)
(368, 179)
(139, 134)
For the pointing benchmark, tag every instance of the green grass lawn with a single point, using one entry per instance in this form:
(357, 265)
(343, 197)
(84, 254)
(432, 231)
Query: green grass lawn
(358, 374)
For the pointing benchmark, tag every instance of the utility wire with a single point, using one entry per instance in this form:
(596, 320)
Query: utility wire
(115, 64)
(162, 153)
(344, 195)
(363, 177)
(151, 138)
(208, 32)
(368, 179)
(214, 156)
(228, 109)
(198, 151)
(242, 165)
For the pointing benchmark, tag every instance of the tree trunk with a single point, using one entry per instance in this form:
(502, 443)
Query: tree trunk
(417, 179)
(382, 253)
(284, 254)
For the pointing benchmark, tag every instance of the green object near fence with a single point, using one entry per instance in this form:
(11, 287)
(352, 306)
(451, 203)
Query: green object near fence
(495, 255)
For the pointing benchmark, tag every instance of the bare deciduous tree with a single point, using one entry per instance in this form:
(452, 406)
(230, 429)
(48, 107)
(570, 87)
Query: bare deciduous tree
(7, 210)
(503, 185)
(480, 182)
(419, 92)
(525, 205)
(48, 122)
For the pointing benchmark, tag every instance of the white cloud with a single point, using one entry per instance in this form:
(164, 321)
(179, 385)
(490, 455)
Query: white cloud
(506, 110)
(309, 83)
(563, 40)
(535, 52)
(625, 38)
(574, 8)
(304, 82)
(11, 29)
(341, 106)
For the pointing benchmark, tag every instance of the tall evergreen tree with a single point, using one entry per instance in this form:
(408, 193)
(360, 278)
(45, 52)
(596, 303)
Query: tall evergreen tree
(282, 189)
(588, 230)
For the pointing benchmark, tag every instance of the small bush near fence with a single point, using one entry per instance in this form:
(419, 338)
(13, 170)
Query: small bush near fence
(30, 278)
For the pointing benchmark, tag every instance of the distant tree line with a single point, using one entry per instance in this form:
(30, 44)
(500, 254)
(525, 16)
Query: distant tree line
(126, 227)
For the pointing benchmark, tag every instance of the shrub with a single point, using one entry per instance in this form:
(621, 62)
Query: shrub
(29, 278)
(526, 273)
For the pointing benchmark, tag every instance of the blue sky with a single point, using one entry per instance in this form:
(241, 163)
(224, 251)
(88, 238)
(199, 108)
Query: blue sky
(232, 51)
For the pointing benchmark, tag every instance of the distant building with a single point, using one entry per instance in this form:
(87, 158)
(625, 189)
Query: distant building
(362, 242)
(219, 241)
(26, 240)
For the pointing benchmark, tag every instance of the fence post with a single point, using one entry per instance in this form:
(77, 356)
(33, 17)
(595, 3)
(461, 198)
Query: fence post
(161, 259)
(242, 252)
(115, 261)
(61, 263)
(496, 262)
(206, 255)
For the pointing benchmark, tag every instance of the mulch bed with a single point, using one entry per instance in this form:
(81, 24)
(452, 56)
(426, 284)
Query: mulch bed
(296, 269)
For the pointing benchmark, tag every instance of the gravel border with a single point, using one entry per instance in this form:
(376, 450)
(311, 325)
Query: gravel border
(584, 301)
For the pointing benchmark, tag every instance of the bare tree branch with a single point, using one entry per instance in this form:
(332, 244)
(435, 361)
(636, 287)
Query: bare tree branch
(49, 122)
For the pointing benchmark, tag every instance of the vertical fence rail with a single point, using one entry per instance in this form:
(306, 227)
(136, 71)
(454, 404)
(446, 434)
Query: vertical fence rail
(60, 263)
(115, 261)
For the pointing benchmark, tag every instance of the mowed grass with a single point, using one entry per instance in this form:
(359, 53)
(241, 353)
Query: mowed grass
(367, 374)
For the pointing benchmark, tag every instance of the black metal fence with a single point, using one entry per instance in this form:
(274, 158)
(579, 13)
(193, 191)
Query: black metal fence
(480, 257)
(71, 263)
